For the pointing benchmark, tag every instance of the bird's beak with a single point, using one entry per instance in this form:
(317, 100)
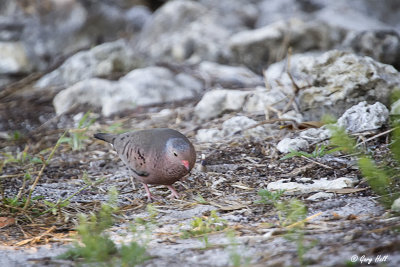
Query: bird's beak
(186, 164)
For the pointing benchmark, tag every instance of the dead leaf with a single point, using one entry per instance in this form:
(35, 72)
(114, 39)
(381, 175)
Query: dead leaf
(351, 217)
(233, 207)
(241, 186)
(303, 125)
(336, 216)
(6, 221)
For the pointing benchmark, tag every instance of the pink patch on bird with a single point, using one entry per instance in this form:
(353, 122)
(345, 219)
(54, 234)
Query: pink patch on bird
(186, 164)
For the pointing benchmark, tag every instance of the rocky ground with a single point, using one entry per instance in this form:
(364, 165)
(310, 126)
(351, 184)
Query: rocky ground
(247, 81)
(346, 223)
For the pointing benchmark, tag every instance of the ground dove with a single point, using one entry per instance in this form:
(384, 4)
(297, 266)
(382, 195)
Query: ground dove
(155, 156)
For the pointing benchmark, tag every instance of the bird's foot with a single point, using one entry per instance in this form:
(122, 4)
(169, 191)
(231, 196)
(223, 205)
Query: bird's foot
(150, 196)
(174, 194)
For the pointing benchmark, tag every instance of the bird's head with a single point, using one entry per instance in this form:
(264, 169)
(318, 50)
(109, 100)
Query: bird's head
(180, 152)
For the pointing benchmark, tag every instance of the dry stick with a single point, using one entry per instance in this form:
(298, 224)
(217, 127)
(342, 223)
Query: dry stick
(22, 188)
(19, 85)
(28, 200)
(376, 136)
(305, 220)
(15, 175)
(36, 238)
(316, 162)
(264, 122)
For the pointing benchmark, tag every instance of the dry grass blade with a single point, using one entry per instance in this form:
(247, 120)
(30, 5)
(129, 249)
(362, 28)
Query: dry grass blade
(376, 136)
(316, 162)
(28, 200)
(35, 239)
(305, 220)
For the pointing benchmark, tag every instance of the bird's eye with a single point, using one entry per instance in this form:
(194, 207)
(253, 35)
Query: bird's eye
(175, 154)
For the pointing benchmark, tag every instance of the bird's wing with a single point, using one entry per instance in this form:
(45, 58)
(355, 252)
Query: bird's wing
(135, 157)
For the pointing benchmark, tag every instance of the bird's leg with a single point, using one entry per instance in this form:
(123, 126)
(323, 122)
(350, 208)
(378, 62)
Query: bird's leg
(173, 191)
(149, 195)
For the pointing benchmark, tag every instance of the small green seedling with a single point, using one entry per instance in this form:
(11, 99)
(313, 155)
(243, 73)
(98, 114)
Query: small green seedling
(270, 197)
(380, 178)
(95, 244)
(235, 257)
(77, 136)
(200, 199)
(202, 226)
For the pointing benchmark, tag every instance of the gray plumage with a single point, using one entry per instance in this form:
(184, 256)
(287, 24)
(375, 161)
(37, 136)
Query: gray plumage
(155, 156)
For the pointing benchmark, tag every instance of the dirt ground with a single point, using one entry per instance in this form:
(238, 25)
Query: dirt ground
(346, 230)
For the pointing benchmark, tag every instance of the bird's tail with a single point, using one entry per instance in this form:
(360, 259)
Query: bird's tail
(106, 137)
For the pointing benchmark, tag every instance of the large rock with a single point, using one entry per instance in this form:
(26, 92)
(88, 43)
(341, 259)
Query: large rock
(334, 81)
(240, 123)
(228, 76)
(53, 28)
(275, 10)
(215, 102)
(396, 205)
(364, 117)
(145, 86)
(13, 58)
(230, 128)
(287, 145)
(234, 15)
(369, 27)
(182, 30)
(381, 45)
(260, 47)
(307, 185)
(355, 15)
(100, 61)
(348, 17)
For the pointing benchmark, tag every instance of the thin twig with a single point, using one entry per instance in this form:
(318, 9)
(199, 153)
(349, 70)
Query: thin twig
(74, 194)
(16, 175)
(28, 200)
(264, 122)
(316, 162)
(376, 136)
(305, 220)
(36, 238)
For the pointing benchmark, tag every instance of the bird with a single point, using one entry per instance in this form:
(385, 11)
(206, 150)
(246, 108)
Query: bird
(158, 156)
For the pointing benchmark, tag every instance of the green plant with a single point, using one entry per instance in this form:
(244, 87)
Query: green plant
(302, 245)
(291, 211)
(17, 203)
(269, 197)
(61, 203)
(292, 215)
(16, 136)
(77, 136)
(20, 158)
(143, 227)
(236, 258)
(200, 199)
(96, 245)
(27, 162)
(45, 162)
(379, 177)
(201, 227)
